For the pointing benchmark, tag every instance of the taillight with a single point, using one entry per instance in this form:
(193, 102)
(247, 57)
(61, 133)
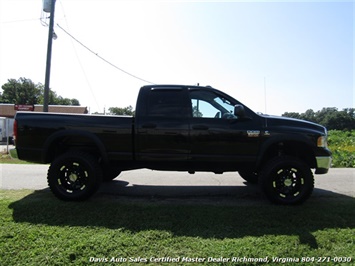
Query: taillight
(15, 130)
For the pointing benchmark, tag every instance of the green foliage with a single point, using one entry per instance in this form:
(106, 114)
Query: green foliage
(25, 91)
(54, 99)
(329, 117)
(196, 112)
(122, 111)
(342, 145)
(21, 91)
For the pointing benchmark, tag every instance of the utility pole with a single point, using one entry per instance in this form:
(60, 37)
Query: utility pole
(49, 57)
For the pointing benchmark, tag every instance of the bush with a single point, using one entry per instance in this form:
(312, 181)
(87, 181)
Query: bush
(342, 145)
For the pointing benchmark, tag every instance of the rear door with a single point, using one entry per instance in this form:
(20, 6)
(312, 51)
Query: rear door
(162, 132)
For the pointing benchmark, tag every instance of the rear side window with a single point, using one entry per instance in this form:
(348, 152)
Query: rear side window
(166, 103)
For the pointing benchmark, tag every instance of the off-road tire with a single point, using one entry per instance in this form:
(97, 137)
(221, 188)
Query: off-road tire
(74, 176)
(286, 180)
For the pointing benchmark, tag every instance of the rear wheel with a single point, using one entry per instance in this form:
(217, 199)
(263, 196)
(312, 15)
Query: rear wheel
(287, 180)
(74, 176)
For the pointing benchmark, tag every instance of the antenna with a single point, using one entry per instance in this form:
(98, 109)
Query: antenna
(265, 94)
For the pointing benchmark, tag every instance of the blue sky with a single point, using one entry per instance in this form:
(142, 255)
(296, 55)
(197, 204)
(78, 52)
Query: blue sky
(300, 53)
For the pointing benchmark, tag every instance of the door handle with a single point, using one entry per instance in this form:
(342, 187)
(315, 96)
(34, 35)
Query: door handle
(200, 127)
(149, 125)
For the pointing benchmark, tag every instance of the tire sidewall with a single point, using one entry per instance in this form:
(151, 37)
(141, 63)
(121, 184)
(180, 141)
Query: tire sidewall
(269, 172)
(87, 163)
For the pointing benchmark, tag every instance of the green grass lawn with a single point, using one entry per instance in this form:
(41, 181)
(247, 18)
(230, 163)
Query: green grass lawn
(38, 229)
(11, 157)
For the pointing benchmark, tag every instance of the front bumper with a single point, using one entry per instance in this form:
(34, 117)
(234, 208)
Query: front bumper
(323, 164)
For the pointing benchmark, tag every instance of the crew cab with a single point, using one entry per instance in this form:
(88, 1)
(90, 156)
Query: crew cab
(176, 128)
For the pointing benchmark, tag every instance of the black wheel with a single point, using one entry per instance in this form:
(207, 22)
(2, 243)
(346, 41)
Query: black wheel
(74, 176)
(287, 180)
(249, 176)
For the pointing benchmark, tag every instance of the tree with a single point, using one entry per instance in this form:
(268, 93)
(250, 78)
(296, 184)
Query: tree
(54, 99)
(309, 115)
(24, 91)
(341, 120)
(292, 115)
(121, 111)
(329, 117)
(324, 114)
(196, 112)
(21, 91)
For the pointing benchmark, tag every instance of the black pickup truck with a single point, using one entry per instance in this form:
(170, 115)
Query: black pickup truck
(179, 128)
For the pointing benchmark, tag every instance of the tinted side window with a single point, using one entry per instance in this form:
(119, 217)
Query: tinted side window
(207, 104)
(165, 103)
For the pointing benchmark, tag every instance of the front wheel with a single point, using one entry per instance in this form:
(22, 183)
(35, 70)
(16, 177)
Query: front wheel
(287, 180)
(74, 176)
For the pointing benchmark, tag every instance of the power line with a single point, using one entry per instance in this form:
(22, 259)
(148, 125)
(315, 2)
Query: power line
(80, 64)
(103, 59)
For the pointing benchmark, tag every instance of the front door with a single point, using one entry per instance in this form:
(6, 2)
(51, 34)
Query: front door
(217, 135)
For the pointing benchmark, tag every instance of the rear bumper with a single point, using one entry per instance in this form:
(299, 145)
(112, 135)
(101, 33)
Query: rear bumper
(323, 164)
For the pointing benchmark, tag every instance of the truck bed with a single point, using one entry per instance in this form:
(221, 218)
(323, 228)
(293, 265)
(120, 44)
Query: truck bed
(37, 132)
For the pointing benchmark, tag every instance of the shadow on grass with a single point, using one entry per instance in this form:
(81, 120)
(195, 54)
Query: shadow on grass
(217, 216)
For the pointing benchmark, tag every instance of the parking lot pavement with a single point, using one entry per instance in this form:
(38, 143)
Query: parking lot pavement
(23, 176)
(144, 182)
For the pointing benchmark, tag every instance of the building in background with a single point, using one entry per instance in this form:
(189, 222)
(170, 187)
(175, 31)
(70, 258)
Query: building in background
(8, 112)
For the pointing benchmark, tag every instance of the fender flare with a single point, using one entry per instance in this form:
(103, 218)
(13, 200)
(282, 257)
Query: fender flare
(73, 133)
(265, 146)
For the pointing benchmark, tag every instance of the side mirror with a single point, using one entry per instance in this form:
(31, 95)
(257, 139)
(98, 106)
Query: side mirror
(239, 111)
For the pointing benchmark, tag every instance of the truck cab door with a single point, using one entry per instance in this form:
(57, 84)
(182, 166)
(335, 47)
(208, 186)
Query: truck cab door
(162, 130)
(217, 134)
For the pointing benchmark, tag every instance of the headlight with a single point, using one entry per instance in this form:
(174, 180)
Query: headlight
(322, 142)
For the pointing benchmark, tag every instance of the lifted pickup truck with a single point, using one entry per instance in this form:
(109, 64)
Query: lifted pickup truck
(180, 128)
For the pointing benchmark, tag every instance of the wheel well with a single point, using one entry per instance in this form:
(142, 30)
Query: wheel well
(72, 143)
(291, 148)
